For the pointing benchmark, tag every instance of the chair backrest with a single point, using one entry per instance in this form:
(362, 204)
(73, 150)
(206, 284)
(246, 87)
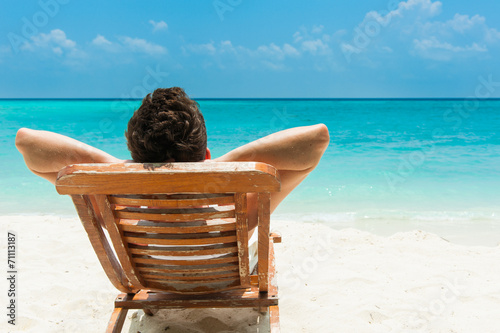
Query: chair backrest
(176, 227)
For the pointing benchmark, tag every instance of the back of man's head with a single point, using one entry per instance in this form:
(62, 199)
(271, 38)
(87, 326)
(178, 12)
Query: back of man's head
(167, 127)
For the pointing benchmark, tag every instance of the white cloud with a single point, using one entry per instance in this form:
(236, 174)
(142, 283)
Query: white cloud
(492, 36)
(101, 41)
(271, 51)
(433, 43)
(276, 52)
(461, 23)
(411, 27)
(129, 44)
(290, 50)
(226, 54)
(443, 51)
(207, 48)
(315, 47)
(309, 34)
(308, 41)
(297, 37)
(424, 6)
(56, 41)
(142, 46)
(227, 47)
(157, 26)
(316, 29)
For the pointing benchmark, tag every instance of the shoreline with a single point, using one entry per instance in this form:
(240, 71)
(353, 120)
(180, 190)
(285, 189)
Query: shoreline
(413, 281)
(467, 232)
(482, 230)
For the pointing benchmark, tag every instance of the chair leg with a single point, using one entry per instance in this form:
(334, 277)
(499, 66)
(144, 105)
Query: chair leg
(274, 319)
(115, 324)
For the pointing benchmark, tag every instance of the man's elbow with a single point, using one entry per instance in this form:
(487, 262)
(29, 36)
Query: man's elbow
(320, 140)
(22, 138)
(322, 136)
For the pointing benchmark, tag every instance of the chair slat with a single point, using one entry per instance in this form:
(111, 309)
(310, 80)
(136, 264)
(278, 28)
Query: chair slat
(198, 277)
(187, 270)
(173, 201)
(184, 250)
(150, 239)
(202, 288)
(168, 228)
(174, 215)
(157, 261)
(191, 282)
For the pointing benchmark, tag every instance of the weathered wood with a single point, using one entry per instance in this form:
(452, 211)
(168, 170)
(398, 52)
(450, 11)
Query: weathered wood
(191, 270)
(199, 250)
(108, 178)
(276, 236)
(250, 297)
(274, 319)
(242, 236)
(117, 320)
(194, 289)
(189, 245)
(100, 243)
(264, 200)
(180, 280)
(272, 280)
(177, 215)
(172, 227)
(117, 239)
(154, 240)
(212, 261)
(173, 201)
(199, 277)
(254, 280)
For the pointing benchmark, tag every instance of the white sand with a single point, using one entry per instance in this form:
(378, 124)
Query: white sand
(330, 281)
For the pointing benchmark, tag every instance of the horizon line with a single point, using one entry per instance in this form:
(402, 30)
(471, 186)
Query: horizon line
(253, 98)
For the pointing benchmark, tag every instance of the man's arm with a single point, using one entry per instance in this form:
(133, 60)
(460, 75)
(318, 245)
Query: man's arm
(294, 152)
(45, 153)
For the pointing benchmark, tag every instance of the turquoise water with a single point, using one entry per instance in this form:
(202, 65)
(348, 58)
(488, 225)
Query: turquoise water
(388, 160)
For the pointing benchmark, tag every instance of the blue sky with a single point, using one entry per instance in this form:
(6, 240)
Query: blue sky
(242, 48)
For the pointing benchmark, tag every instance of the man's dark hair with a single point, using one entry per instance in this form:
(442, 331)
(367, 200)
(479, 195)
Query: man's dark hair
(168, 126)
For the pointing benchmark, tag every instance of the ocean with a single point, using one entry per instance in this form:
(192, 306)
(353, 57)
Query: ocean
(392, 165)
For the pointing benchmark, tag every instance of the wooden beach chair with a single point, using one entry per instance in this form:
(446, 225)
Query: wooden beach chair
(175, 235)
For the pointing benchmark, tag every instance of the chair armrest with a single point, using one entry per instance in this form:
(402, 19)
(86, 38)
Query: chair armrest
(276, 237)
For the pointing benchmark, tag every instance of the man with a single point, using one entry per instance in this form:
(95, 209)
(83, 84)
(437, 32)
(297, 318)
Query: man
(168, 127)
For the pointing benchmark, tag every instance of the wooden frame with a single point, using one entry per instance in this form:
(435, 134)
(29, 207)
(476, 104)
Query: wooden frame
(179, 232)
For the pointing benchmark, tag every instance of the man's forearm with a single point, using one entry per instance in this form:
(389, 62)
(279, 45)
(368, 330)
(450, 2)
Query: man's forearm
(45, 153)
(293, 149)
